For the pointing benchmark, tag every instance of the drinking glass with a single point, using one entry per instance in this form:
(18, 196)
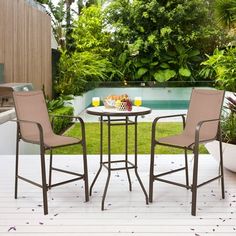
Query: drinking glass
(95, 101)
(137, 101)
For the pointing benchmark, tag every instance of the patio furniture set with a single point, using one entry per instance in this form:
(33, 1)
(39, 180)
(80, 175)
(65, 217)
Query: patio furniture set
(201, 125)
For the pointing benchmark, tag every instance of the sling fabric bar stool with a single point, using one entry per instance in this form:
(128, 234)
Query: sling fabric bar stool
(33, 126)
(202, 125)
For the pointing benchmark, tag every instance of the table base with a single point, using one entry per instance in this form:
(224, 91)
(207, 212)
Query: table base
(108, 164)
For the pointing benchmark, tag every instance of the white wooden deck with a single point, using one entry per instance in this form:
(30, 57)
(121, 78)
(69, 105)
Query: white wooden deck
(126, 212)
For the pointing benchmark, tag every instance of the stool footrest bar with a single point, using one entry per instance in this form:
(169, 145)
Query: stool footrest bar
(67, 181)
(29, 181)
(67, 172)
(210, 180)
(169, 172)
(172, 182)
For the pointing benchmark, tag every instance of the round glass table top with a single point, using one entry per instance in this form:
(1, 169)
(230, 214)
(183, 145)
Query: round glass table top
(103, 111)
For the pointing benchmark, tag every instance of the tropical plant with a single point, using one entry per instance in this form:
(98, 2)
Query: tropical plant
(80, 72)
(60, 124)
(58, 102)
(58, 15)
(226, 12)
(62, 15)
(60, 106)
(90, 33)
(231, 104)
(180, 62)
(229, 121)
(221, 66)
(153, 39)
(89, 62)
(62, 18)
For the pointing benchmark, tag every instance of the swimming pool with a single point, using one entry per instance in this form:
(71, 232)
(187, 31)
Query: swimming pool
(166, 104)
(156, 98)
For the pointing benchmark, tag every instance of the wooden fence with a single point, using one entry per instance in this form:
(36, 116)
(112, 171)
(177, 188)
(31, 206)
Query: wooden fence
(25, 44)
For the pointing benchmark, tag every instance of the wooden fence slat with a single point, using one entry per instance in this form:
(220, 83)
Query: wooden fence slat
(8, 45)
(25, 44)
(2, 30)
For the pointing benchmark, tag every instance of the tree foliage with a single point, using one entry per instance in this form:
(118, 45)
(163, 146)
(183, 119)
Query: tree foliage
(139, 40)
(63, 15)
(160, 40)
(89, 34)
(226, 12)
(221, 67)
(88, 64)
(221, 64)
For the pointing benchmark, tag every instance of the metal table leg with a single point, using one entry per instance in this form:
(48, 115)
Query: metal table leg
(126, 153)
(101, 155)
(136, 157)
(109, 162)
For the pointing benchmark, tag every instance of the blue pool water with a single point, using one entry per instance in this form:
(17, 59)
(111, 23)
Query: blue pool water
(166, 104)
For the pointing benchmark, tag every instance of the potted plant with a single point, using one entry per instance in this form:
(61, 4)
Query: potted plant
(228, 127)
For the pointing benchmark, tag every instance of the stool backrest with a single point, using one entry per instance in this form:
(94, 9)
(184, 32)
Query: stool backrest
(205, 104)
(31, 106)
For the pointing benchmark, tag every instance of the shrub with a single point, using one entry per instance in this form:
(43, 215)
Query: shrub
(60, 124)
(82, 68)
(229, 121)
(58, 102)
(221, 66)
(161, 40)
(229, 128)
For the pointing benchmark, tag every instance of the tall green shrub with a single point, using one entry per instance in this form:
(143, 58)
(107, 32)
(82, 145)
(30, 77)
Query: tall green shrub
(221, 67)
(61, 123)
(226, 12)
(161, 40)
(221, 64)
(89, 63)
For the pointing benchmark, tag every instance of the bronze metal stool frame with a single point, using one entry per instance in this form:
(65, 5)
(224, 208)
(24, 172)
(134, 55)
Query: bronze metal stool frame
(195, 150)
(108, 164)
(45, 187)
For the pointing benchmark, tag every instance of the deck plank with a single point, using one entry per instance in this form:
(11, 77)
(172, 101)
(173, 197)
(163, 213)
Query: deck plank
(126, 212)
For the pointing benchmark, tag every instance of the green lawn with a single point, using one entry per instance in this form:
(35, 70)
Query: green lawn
(118, 138)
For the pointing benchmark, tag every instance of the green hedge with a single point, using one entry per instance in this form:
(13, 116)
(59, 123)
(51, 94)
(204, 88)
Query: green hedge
(60, 124)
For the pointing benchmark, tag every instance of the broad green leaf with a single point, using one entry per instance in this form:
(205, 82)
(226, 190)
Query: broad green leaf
(196, 58)
(194, 53)
(155, 63)
(123, 57)
(140, 72)
(164, 66)
(184, 72)
(138, 64)
(173, 62)
(145, 60)
(180, 49)
(164, 75)
(171, 53)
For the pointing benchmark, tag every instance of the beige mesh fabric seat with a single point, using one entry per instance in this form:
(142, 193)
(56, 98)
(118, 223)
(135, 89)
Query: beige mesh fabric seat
(33, 126)
(202, 125)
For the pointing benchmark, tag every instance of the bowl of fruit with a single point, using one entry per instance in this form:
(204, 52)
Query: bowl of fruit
(119, 102)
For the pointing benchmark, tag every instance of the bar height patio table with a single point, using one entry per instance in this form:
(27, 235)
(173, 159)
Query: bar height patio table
(114, 117)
